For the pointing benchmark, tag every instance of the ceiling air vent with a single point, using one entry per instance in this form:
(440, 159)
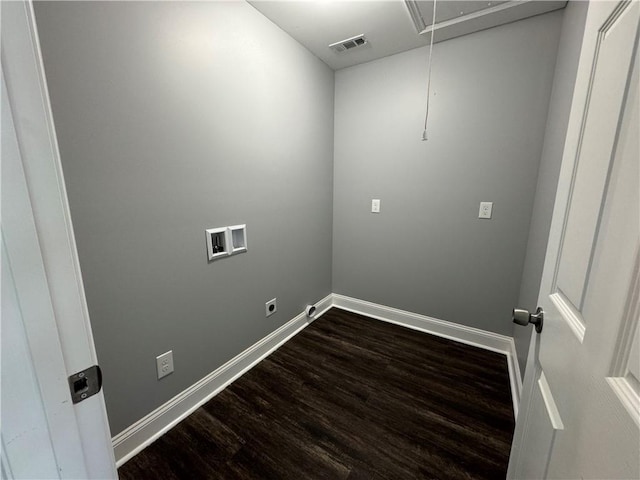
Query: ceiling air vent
(348, 44)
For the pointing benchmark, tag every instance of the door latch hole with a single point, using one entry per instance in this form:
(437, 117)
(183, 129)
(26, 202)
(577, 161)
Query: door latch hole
(81, 385)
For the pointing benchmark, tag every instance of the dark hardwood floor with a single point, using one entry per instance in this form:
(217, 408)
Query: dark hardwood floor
(348, 398)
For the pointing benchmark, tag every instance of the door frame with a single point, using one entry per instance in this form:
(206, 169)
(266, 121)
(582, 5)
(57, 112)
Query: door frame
(23, 71)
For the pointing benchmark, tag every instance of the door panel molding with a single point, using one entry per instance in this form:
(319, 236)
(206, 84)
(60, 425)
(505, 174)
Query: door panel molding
(624, 379)
(570, 314)
(549, 402)
(586, 198)
(627, 337)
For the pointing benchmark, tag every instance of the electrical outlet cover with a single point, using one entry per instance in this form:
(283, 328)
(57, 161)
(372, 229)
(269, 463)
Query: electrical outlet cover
(164, 364)
(485, 210)
(270, 307)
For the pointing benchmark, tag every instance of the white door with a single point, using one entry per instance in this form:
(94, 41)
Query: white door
(46, 335)
(580, 411)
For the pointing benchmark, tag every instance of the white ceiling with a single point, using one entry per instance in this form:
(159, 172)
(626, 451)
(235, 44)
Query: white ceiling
(387, 24)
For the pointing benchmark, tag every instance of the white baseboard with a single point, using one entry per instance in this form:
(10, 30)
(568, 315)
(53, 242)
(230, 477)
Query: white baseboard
(441, 328)
(135, 438)
(515, 377)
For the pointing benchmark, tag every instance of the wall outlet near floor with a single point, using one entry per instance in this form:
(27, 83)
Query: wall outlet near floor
(485, 209)
(271, 307)
(375, 205)
(164, 364)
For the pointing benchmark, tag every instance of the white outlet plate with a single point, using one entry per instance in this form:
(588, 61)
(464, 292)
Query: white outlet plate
(271, 307)
(375, 205)
(164, 364)
(485, 209)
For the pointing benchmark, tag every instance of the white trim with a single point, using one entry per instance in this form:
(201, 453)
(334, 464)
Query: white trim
(549, 402)
(148, 429)
(622, 381)
(627, 395)
(515, 377)
(441, 328)
(416, 16)
(569, 315)
(141, 434)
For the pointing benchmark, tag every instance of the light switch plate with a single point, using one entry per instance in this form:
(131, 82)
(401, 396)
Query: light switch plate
(485, 209)
(164, 364)
(375, 205)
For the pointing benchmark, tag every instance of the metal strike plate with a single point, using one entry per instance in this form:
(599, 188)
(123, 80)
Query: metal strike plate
(86, 383)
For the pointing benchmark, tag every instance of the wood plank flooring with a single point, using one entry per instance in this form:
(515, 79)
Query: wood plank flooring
(348, 398)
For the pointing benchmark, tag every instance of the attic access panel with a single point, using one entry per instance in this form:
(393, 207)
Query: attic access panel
(455, 18)
(451, 9)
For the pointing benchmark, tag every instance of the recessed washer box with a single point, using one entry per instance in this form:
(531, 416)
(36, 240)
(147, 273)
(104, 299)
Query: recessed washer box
(238, 235)
(218, 242)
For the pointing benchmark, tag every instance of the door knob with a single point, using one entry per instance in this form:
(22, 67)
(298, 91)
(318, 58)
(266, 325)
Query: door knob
(523, 317)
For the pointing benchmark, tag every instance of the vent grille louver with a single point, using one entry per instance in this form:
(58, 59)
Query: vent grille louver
(348, 44)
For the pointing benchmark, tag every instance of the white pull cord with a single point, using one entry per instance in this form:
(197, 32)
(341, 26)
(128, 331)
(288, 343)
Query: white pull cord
(426, 115)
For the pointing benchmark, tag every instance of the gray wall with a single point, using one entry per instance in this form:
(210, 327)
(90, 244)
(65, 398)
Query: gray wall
(172, 118)
(557, 120)
(427, 252)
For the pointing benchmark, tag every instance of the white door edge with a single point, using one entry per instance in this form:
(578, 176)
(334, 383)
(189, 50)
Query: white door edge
(28, 95)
